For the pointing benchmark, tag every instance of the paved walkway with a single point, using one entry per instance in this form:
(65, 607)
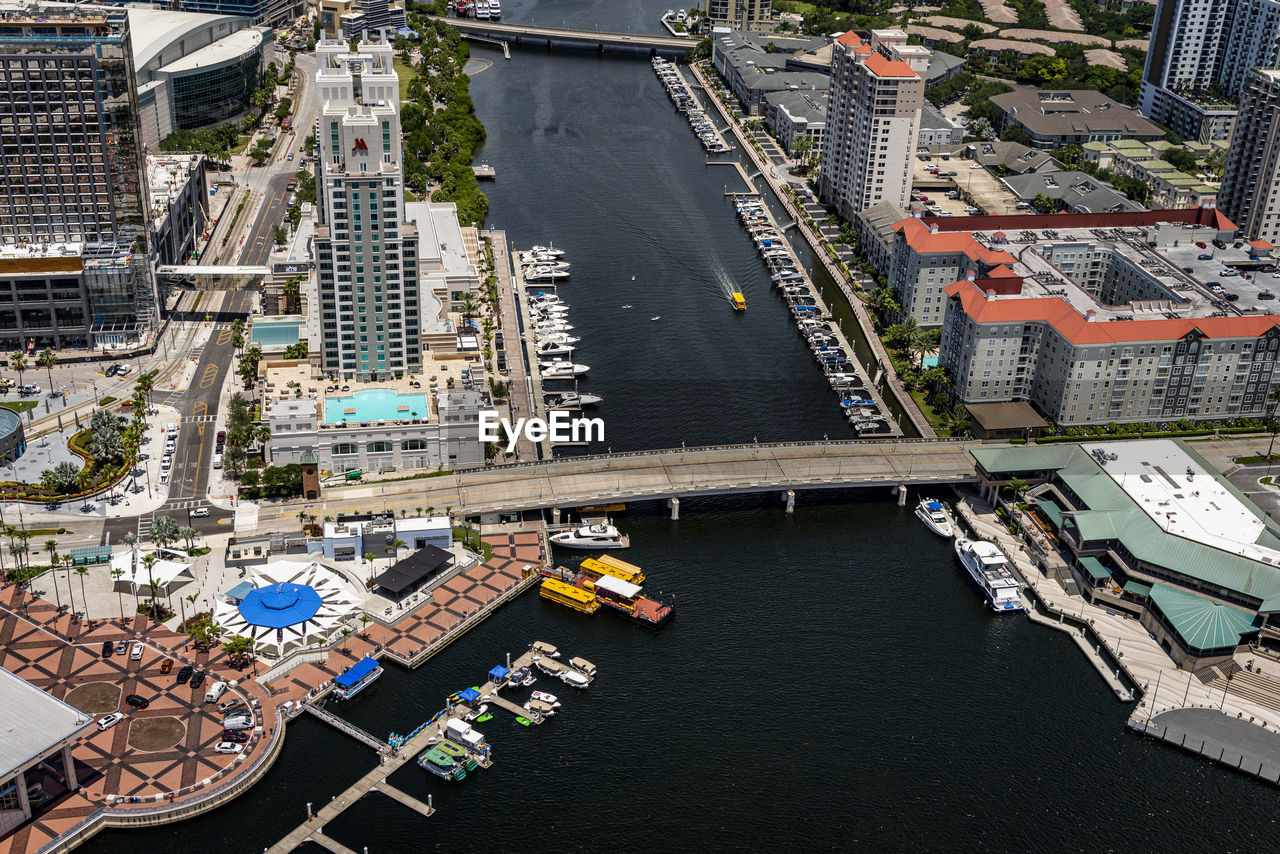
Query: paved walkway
(1219, 737)
(513, 343)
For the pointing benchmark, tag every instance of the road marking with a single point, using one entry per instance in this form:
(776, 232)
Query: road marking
(199, 410)
(225, 336)
(209, 377)
(226, 520)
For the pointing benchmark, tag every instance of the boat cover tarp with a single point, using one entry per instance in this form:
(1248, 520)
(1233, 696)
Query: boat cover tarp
(499, 672)
(468, 695)
(356, 672)
(617, 586)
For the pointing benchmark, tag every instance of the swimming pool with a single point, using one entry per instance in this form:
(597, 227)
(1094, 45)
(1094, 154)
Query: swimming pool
(375, 404)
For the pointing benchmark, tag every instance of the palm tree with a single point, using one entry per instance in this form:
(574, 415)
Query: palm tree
(47, 360)
(369, 557)
(419, 509)
(291, 289)
(365, 620)
(396, 546)
(51, 546)
(149, 561)
(18, 361)
(1016, 485)
(83, 572)
(115, 575)
(467, 305)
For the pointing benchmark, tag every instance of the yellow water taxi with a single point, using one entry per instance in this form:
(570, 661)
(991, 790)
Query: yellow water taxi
(739, 301)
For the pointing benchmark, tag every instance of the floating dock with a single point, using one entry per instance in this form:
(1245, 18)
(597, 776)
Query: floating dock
(604, 582)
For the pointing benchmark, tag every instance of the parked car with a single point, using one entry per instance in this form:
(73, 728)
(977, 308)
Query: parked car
(29, 389)
(122, 647)
(136, 654)
(184, 674)
(217, 461)
(237, 735)
(1266, 295)
(1228, 273)
(228, 747)
(166, 665)
(164, 478)
(197, 679)
(170, 446)
(137, 701)
(1204, 257)
(222, 435)
(238, 723)
(107, 649)
(1232, 297)
(123, 370)
(1221, 244)
(228, 705)
(109, 721)
(1200, 244)
(166, 462)
(111, 370)
(215, 692)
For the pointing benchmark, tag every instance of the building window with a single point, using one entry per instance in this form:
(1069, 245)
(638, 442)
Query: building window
(379, 447)
(345, 449)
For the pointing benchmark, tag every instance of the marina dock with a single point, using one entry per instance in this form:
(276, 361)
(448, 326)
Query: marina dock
(423, 738)
(484, 170)
(687, 102)
(864, 385)
(518, 312)
(347, 727)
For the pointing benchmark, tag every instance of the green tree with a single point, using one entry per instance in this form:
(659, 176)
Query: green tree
(1044, 204)
(165, 531)
(18, 361)
(248, 367)
(106, 445)
(1014, 133)
(237, 648)
(47, 359)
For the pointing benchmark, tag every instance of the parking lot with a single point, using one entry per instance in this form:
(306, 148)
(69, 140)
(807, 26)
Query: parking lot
(976, 187)
(1254, 289)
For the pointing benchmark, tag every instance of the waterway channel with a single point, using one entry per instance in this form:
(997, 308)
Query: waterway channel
(832, 680)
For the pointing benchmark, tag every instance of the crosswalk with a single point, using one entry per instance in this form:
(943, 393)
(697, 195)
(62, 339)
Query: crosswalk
(198, 419)
(175, 509)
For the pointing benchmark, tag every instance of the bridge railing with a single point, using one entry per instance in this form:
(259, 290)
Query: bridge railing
(707, 449)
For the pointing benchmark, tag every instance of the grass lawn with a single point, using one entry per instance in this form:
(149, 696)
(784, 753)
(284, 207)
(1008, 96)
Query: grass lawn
(795, 7)
(405, 72)
(473, 542)
(936, 421)
(19, 405)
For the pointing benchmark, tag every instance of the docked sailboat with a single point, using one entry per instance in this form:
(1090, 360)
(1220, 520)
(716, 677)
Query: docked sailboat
(934, 516)
(599, 536)
(990, 569)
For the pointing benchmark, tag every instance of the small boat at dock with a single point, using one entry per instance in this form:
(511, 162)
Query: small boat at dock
(573, 400)
(359, 676)
(583, 666)
(934, 516)
(574, 679)
(546, 698)
(561, 370)
(442, 765)
(598, 536)
(543, 648)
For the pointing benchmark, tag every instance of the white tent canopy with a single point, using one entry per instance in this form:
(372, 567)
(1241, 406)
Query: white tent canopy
(163, 573)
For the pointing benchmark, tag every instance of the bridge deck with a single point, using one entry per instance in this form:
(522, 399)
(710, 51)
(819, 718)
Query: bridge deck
(518, 31)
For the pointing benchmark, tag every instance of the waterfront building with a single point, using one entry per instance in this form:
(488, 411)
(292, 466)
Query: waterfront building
(790, 115)
(873, 121)
(1199, 58)
(374, 427)
(194, 70)
(1091, 318)
(753, 66)
(367, 252)
(364, 17)
(265, 13)
(1251, 181)
(38, 730)
(178, 191)
(937, 129)
(1074, 192)
(287, 605)
(1151, 529)
(740, 14)
(876, 232)
(75, 257)
(352, 537)
(1070, 117)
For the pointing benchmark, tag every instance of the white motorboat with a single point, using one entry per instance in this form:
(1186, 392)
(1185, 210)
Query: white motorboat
(934, 516)
(544, 697)
(544, 650)
(573, 400)
(574, 679)
(552, 348)
(599, 536)
(551, 309)
(552, 326)
(482, 10)
(556, 338)
(544, 274)
(990, 570)
(561, 370)
(484, 707)
(547, 250)
(539, 258)
(495, 10)
(529, 680)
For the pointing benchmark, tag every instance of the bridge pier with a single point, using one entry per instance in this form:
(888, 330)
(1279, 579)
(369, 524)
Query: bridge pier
(902, 495)
(674, 504)
(600, 48)
(790, 495)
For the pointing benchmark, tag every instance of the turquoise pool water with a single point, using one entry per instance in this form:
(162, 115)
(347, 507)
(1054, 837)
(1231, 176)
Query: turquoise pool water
(375, 404)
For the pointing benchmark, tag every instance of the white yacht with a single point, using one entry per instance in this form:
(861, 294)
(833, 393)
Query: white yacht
(601, 536)
(573, 400)
(574, 679)
(556, 338)
(550, 308)
(988, 567)
(547, 250)
(552, 325)
(934, 516)
(554, 348)
(544, 274)
(495, 10)
(561, 370)
(482, 10)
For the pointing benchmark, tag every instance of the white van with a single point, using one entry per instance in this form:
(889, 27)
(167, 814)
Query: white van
(217, 461)
(215, 692)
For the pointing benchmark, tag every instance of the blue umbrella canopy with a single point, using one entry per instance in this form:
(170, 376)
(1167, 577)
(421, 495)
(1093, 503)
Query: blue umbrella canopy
(280, 605)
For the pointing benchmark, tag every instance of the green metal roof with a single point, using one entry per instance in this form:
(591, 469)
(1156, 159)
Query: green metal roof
(1051, 510)
(1094, 567)
(1201, 623)
(1137, 588)
(1112, 515)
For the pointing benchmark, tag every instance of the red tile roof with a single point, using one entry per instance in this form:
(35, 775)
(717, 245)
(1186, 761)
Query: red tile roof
(921, 239)
(882, 67)
(1059, 314)
(850, 38)
(1261, 244)
(1211, 217)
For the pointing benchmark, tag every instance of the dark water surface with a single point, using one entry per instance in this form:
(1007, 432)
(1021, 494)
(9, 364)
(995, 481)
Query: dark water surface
(831, 682)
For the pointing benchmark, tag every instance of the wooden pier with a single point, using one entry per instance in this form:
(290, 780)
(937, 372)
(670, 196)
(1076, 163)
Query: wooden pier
(484, 170)
(408, 800)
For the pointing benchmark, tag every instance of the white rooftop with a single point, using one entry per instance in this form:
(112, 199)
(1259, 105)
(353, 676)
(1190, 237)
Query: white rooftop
(40, 250)
(32, 723)
(1182, 497)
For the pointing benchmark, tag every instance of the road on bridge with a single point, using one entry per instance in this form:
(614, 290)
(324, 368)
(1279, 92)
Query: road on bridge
(659, 474)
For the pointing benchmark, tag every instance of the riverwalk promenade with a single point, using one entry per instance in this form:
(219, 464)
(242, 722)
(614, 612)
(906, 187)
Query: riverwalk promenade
(520, 387)
(780, 189)
(1237, 725)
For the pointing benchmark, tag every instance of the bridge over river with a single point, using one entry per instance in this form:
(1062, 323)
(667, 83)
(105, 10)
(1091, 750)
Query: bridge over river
(522, 32)
(669, 474)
